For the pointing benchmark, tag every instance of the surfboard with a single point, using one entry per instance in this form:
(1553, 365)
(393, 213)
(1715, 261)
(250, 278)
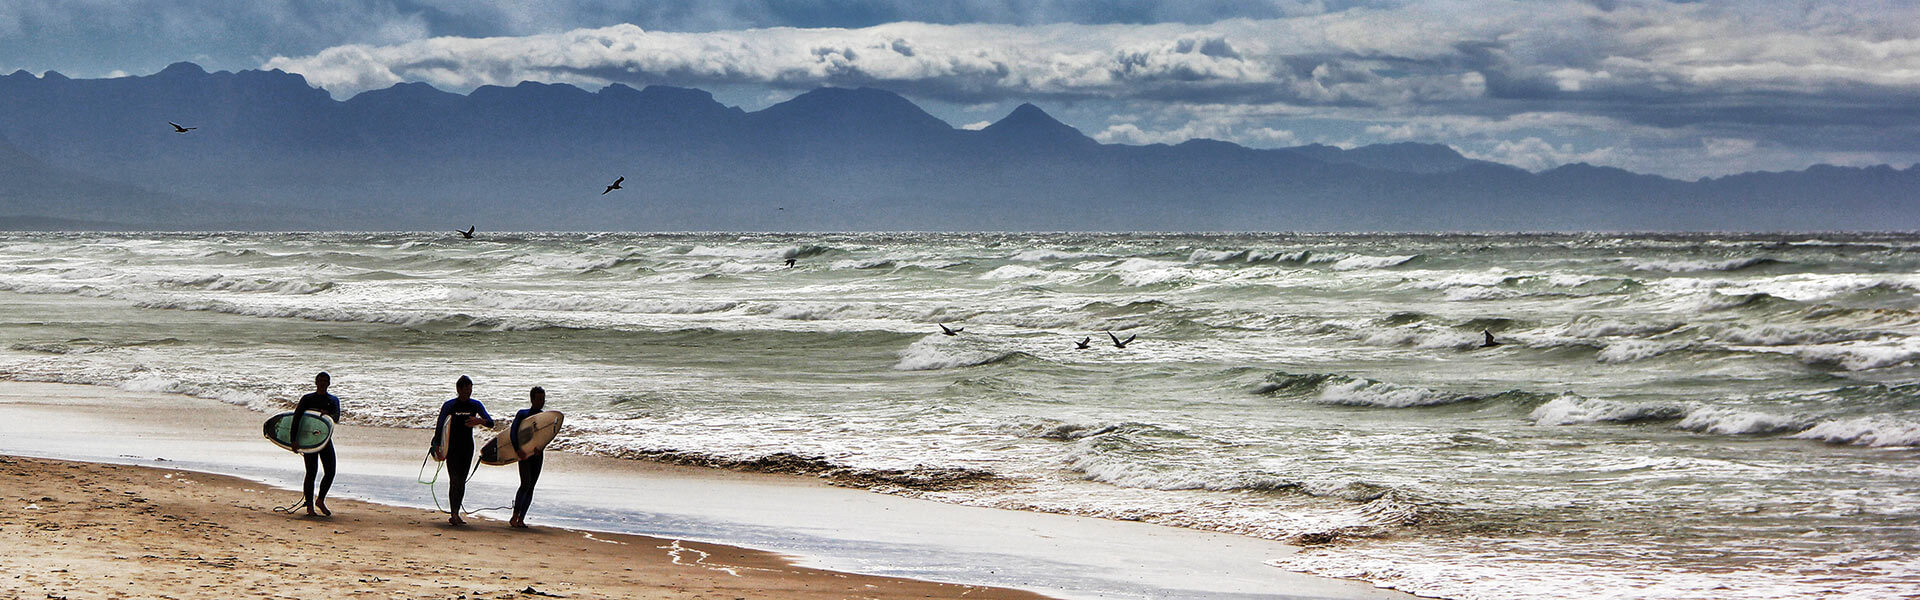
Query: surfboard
(535, 433)
(313, 432)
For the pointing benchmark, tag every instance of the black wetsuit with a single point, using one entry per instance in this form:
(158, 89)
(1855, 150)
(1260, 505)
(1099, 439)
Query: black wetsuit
(329, 405)
(453, 423)
(529, 466)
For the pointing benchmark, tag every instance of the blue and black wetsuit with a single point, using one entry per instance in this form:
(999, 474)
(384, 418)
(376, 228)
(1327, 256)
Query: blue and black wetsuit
(453, 423)
(529, 466)
(329, 405)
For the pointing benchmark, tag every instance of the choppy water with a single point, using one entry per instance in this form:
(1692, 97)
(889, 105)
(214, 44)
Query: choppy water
(1713, 416)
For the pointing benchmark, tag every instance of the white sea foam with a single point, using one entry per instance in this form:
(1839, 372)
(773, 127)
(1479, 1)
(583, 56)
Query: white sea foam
(1359, 261)
(1047, 255)
(583, 303)
(1861, 356)
(1876, 431)
(1365, 392)
(1731, 421)
(1015, 272)
(1689, 266)
(935, 352)
(1569, 409)
(1629, 350)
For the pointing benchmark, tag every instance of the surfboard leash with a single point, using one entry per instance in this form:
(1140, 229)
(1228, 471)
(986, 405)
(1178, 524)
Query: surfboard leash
(434, 491)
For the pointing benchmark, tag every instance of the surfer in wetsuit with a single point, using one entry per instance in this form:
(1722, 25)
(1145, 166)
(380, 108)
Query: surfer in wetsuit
(529, 461)
(456, 421)
(327, 404)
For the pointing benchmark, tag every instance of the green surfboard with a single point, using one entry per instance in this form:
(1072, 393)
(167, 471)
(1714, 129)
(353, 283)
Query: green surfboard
(314, 431)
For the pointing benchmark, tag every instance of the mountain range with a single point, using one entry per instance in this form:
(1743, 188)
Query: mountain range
(271, 152)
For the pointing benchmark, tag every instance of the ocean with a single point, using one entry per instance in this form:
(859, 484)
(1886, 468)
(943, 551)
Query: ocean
(1667, 416)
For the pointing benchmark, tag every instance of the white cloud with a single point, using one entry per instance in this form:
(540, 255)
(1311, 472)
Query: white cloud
(1678, 88)
(976, 125)
(1259, 137)
(1720, 147)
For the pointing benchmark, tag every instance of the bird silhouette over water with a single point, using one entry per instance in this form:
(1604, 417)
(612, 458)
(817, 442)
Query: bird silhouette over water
(615, 186)
(1082, 344)
(178, 129)
(468, 234)
(1489, 343)
(790, 263)
(945, 330)
(1118, 343)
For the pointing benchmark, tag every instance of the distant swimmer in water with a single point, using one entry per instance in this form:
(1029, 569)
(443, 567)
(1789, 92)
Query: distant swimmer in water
(1082, 344)
(1489, 343)
(327, 404)
(468, 234)
(789, 263)
(1118, 343)
(178, 129)
(615, 186)
(943, 329)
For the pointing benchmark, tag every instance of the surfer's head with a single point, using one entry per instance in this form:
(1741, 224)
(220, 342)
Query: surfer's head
(464, 386)
(537, 398)
(321, 381)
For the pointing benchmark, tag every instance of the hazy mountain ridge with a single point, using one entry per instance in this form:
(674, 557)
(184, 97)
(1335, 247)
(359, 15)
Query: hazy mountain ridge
(275, 151)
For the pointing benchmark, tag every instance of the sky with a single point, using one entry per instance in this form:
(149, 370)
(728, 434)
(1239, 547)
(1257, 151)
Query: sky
(1684, 89)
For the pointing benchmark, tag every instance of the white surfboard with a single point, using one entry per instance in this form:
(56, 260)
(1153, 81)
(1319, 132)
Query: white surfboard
(535, 433)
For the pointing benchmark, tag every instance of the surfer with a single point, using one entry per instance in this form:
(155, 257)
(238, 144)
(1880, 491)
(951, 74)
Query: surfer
(455, 425)
(327, 404)
(530, 461)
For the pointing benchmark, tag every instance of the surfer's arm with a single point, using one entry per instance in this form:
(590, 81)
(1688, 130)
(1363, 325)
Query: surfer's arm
(513, 432)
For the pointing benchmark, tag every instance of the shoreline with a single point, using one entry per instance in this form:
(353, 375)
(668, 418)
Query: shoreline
(814, 524)
(146, 531)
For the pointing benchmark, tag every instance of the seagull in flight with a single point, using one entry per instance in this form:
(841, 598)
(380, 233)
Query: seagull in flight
(1490, 342)
(1118, 343)
(1082, 344)
(615, 186)
(943, 329)
(468, 234)
(178, 129)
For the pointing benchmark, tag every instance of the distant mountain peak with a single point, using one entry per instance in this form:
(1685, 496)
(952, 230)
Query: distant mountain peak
(865, 108)
(182, 68)
(1028, 124)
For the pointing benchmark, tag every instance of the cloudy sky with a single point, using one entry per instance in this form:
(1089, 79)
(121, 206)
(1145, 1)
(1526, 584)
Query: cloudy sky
(1685, 89)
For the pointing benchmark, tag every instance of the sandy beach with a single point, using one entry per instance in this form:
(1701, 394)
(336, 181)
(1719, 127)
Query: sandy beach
(85, 530)
(111, 493)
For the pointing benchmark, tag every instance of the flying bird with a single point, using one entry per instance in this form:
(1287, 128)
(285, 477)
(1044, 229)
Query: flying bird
(943, 329)
(468, 234)
(1082, 344)
(178, 129)
(1118, 343)
(1489, 343)
(790, 263)
(615, 186)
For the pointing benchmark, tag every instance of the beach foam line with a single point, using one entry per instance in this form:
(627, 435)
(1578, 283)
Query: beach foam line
(824, 526)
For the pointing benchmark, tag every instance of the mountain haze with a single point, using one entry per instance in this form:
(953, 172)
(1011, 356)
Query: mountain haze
(272, 151)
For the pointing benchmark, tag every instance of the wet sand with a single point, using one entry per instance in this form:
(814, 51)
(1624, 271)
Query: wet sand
(87, 530)
(790, 520)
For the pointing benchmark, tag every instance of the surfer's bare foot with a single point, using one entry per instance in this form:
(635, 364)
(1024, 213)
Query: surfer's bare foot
(456, 520)
(310, 512)
(517, 523)
(323, 509)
